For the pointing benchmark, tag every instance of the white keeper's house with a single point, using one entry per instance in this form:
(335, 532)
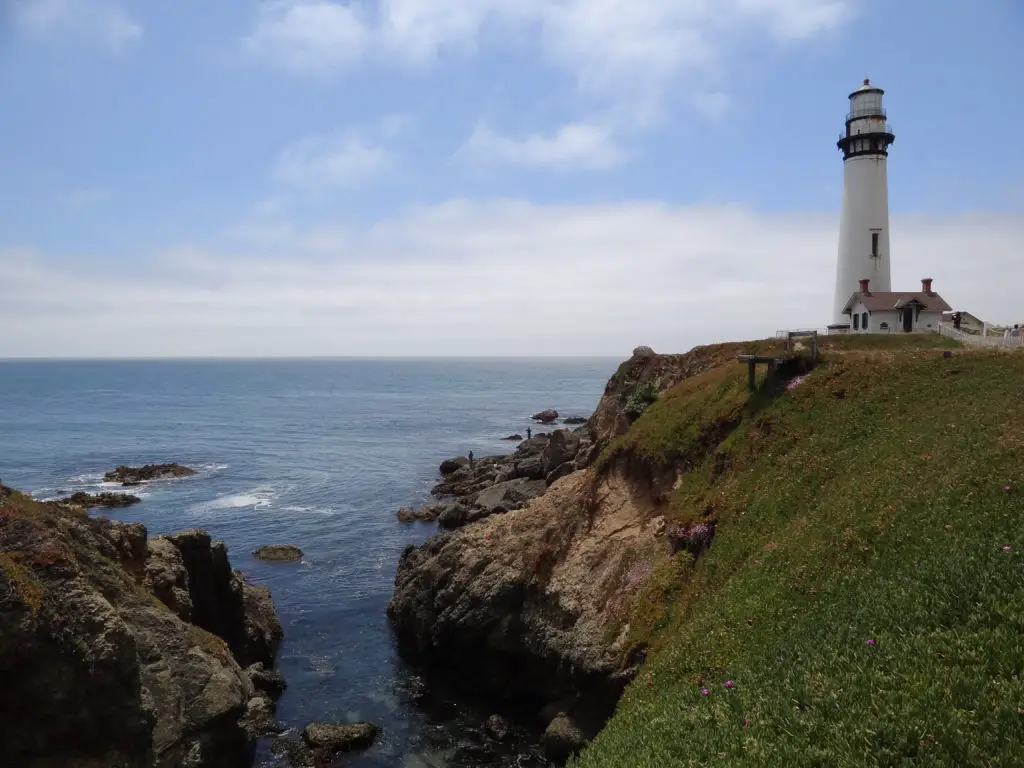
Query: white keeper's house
(868, 311)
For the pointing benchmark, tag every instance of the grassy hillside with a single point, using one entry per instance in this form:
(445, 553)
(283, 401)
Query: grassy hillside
(863, 600)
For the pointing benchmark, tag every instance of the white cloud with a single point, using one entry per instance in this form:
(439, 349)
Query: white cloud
(95, 20)
(629, 55)
(309, 36)
(577, 145)
(504, 277)
(340, 161)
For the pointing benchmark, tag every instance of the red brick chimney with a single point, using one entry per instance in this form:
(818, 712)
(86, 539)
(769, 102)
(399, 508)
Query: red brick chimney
(926, 286)
(864, 287)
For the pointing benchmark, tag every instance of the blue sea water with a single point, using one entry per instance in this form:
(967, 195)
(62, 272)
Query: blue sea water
(317, 453)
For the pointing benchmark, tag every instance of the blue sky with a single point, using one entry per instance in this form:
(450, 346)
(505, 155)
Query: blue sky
(484, 176)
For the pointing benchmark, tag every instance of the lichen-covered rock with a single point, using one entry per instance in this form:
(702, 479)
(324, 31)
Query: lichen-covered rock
(96, 670)
(105, 499)
(562, 739)
(278, 553)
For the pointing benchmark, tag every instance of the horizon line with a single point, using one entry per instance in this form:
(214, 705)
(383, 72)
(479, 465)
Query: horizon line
(269, 358)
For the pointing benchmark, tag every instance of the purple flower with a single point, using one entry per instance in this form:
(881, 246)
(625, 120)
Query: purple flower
(746, 722)
(1007, 548)
(705, 692)
(869, 642)
(729, 683)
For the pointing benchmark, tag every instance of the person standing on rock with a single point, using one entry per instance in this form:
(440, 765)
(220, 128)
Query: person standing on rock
(471, 459)
(529, 433)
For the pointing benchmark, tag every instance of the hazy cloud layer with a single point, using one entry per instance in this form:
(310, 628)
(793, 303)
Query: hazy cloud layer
(500, 278)
(94, 20)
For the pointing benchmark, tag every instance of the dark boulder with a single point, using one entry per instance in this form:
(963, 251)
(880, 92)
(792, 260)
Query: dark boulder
(135, 475)
(451, 466)
(549, 416)
(278, 553)
(513, 437)
(574, 420)
(497, 728)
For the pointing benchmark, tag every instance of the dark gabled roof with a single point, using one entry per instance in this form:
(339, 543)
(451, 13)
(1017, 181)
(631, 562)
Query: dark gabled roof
(880, 301)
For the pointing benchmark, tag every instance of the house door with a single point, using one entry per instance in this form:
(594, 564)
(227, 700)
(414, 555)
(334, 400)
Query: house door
(908, 319)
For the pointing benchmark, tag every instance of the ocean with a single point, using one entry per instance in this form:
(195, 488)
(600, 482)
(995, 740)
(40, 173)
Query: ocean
(316, 453)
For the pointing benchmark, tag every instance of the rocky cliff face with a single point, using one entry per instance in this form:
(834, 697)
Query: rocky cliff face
(119, 651)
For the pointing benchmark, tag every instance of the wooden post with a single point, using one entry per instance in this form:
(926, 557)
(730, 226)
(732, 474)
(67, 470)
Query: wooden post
(751, 378)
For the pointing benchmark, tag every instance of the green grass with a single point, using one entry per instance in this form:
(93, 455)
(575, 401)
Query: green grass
(872, 502)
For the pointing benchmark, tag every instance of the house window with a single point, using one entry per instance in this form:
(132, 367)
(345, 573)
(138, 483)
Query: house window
(874, 243)
(864, 321)
(856, 322)
(883, 327)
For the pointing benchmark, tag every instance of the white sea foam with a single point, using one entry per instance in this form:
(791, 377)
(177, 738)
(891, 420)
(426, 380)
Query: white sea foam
(257, 498)
(302, 510)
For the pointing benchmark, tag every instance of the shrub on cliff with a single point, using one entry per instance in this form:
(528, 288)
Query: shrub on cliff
(860, 603)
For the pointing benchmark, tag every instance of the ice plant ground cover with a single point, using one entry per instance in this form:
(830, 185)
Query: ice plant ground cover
(864, 593)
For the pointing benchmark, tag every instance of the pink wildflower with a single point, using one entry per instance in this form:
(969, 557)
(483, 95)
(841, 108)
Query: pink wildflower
(869, 642)
(746, 722)
(705, 692)
(729, 684)
(1007, 548)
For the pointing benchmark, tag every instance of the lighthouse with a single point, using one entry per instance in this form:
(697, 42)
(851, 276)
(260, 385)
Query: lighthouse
(864, 221)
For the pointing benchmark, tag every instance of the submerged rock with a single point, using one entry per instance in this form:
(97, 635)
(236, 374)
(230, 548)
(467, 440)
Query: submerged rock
(135, 475)
(278, 553)
(574, 420)
(513, 437)
(498, 728)
(340, 738)
(105, 499)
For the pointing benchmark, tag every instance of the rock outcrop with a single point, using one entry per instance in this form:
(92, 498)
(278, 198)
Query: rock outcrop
(135, 475)
(498, 484)
(97, 669)
(278, 553)
(105, 499)
(549, 416)
(525, 606)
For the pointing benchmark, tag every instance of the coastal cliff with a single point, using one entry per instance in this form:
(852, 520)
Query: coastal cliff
(120, 650)
(531, 605)
(656, 568)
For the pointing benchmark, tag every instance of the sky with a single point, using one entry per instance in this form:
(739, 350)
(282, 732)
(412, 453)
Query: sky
(485, 177)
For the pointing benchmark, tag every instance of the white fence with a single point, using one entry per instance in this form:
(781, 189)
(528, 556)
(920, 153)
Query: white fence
(977, 340)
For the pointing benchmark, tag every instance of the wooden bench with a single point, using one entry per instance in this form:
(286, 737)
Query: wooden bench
(752, 361)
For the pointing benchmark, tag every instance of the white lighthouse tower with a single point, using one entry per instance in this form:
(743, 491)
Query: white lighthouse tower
(864, 223)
